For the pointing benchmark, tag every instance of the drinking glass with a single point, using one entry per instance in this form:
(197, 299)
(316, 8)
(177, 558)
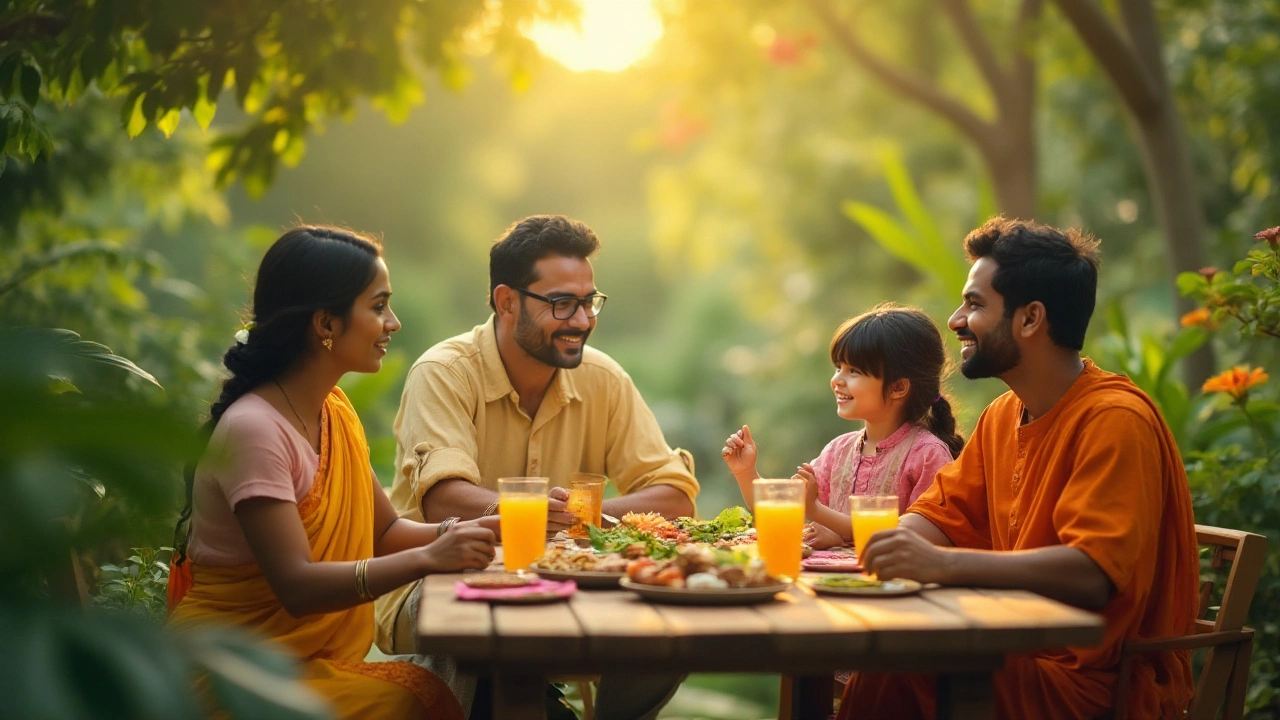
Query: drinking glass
(522, 516)
(870, 515)
(586, 499)
(779, 518)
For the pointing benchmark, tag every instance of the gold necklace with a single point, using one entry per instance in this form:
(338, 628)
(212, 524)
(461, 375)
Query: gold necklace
(305, 429)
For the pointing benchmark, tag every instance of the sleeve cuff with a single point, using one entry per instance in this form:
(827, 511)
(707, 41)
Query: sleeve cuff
(438, 464)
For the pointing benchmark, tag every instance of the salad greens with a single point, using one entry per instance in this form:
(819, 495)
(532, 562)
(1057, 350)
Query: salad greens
(617, 538)
(729, 523)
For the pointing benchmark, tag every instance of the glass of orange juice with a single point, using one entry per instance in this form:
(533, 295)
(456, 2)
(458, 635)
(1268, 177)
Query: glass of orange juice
(779, 518)
(586, 501)
(522, 517)
(871, 514)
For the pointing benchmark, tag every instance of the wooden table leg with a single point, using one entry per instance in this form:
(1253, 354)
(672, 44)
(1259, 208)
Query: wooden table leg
(811, 696)
(519, 697)
(966, 696)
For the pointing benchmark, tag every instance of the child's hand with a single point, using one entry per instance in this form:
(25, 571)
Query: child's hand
(805, 472)
(821, 537)
(739, 453)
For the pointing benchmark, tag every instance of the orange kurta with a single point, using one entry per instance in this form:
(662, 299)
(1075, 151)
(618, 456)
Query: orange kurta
(338, 518)
(1099, 472)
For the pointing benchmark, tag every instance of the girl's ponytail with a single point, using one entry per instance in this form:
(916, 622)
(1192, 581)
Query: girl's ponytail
(941, 422)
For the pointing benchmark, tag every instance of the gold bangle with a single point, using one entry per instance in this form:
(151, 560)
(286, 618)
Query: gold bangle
(362, 580)
(491, 509)
(445, 524)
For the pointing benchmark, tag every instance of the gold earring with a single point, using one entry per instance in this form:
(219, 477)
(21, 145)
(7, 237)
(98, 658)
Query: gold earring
(328, 344)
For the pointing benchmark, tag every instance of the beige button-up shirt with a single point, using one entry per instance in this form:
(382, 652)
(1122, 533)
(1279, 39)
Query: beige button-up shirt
(460, 418)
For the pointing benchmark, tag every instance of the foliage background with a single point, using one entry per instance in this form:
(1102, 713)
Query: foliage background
(751, 187)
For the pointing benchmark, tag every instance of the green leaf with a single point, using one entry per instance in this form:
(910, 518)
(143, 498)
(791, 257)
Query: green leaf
(31, 82)
(168, 122)
(203, 111)
(137, 120)
(888, 233)
(8, 68)
(1190, 283)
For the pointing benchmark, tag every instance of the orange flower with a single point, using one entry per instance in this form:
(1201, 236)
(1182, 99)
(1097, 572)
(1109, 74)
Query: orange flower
(1235, 382)
(1199, 316)
(1271, 236)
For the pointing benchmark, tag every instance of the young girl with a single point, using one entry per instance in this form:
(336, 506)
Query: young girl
(889, 365)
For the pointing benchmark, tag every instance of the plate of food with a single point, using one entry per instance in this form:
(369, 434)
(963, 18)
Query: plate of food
(702, 576)
(836, 560)
(587, 568)
(499, 587)
(863, 586)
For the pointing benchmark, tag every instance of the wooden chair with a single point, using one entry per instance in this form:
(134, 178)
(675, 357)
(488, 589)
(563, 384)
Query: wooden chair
(1224, 677)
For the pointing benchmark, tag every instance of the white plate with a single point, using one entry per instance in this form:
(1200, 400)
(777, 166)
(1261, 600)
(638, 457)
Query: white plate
(702, 596)
(890, 588)
(584, 578)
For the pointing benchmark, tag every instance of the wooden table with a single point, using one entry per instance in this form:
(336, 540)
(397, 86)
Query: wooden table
(961, 634)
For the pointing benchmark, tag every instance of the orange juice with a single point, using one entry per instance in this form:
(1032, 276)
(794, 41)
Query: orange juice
(523, 520)
(779, 534)
(868, 522)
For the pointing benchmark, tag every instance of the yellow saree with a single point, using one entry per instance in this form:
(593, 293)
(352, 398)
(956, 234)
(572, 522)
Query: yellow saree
(338, 517)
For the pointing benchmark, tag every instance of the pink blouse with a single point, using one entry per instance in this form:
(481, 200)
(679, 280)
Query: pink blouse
(904, 465)
(254, 452)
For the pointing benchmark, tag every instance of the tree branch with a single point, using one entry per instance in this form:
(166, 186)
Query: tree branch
(41, 24)
(33, 265)
(910, 86)
(1114, 52)
(962, 18)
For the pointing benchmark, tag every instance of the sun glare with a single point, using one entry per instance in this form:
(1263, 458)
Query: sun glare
(614, 35)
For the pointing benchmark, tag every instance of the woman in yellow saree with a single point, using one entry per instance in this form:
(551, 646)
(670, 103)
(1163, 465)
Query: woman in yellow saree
(290, 534)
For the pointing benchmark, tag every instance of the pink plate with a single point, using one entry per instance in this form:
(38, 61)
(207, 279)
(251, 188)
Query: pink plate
(538, 591)
(844, 560)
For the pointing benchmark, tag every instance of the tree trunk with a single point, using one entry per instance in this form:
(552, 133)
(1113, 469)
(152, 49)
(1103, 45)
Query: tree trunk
(1178, 210)
(1014, 178)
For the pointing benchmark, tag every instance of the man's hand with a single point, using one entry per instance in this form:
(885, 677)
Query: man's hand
(821, 537)
(557, 518)
(903, 553)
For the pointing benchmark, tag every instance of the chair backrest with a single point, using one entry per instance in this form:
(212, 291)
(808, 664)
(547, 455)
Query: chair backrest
(1224, 676)
(1246, 552)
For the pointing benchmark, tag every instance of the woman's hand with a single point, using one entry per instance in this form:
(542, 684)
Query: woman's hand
(739, 453)
(461, 548)
(821, 537)
(489, 522)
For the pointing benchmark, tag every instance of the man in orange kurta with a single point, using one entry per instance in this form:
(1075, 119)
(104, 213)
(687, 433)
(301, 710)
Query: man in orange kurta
(1071, 486)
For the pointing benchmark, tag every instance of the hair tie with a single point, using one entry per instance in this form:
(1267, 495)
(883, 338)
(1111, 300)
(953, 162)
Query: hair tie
(937, 399)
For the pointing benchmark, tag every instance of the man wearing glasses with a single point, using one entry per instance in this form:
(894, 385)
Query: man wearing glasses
(522, 395)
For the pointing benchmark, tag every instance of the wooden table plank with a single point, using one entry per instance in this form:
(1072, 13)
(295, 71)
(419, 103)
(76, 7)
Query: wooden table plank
(617, 623)
(1059, 625)
(449, 626)
(535, 632)
(719, 630)
(803, 623)
(908, 625)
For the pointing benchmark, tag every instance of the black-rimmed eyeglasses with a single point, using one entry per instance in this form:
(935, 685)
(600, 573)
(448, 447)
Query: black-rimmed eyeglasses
(563, 308)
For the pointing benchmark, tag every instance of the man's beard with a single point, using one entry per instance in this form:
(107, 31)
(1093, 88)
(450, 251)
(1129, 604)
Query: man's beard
(530, 337)
(993, 355)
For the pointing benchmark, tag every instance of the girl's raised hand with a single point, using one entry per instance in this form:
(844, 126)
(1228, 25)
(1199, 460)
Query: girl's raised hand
(805, 472)
(739, 453)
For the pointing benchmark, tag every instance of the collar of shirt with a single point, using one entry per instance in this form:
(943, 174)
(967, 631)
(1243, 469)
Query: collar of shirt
(496, 383)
